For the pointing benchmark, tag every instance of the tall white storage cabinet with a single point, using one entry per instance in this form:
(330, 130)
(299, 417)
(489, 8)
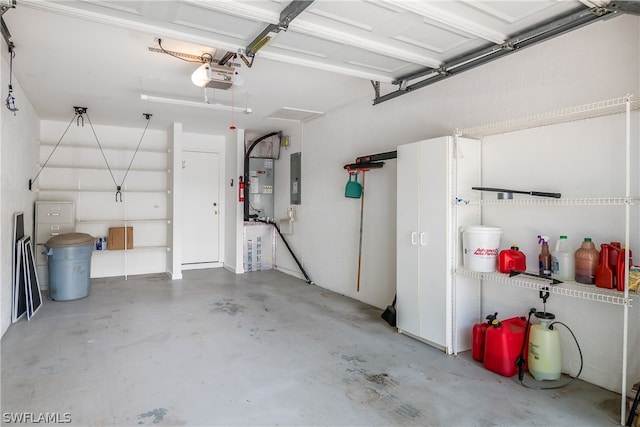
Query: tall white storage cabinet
(433, 305)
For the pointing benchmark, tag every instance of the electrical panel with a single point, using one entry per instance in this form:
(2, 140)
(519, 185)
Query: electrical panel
(260, 188)
(296, 179)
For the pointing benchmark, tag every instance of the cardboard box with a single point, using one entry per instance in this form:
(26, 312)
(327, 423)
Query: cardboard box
(116, 238)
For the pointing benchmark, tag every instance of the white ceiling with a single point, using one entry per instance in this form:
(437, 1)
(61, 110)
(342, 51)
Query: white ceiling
(96, 53)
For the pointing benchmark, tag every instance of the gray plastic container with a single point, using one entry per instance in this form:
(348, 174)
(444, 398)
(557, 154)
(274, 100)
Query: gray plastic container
(69, 258)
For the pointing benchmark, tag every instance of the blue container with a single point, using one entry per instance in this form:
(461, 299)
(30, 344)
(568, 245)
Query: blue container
(69, 257)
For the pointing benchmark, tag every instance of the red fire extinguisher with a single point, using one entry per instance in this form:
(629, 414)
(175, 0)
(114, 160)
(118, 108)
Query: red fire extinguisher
(241, 190)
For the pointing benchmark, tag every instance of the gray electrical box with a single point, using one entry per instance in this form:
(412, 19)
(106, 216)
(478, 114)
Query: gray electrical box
(296, 183)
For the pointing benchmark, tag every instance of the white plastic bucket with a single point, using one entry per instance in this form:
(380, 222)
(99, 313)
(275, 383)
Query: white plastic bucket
(480, 247)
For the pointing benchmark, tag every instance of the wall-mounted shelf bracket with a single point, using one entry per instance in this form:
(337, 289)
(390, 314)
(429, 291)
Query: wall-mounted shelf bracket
(376, 88)
(544, 294)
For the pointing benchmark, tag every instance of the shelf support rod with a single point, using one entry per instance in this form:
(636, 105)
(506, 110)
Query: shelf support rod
(625, 309)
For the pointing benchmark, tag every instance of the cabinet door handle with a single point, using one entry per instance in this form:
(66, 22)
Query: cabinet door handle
(414, 235)
(54, 214)
(422, 239)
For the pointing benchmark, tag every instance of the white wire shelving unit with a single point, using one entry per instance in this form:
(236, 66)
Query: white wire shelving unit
(85, 184)
(622, 105)
(581, 201)
(121, 221)
(564, 115)
(568, 289)
(120, 147)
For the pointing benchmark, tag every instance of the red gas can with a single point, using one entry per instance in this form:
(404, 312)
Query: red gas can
(511, 259)
(477, 345)
(620, 267)
(478, 337)
(503, 343)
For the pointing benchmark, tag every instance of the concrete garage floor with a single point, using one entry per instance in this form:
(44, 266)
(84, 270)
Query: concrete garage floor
(256, 349)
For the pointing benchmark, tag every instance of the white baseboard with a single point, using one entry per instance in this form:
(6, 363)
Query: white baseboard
(201, 265)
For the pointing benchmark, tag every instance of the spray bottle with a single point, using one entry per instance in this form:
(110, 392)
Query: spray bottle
(544, 259)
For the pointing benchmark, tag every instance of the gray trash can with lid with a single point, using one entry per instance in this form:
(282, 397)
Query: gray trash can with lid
(69, 257)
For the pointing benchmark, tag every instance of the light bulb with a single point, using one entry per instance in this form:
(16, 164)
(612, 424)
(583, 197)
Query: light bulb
(202, 75)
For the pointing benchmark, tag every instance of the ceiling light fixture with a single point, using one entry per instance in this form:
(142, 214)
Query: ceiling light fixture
(189, 103)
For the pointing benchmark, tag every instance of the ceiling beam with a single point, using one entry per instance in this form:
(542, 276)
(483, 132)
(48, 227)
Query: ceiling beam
(239, 9)
(540, 33)
(428, 11)
(306, 27)
(65, 9)
(62, 8)
(324, 66)
(368, 44)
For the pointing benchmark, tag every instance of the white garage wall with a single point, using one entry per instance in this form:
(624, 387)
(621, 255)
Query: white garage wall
(597, 62)
(18, 156)
(284, 261)
(234, 146)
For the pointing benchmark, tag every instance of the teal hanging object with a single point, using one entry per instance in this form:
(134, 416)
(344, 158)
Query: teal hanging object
(353, 188)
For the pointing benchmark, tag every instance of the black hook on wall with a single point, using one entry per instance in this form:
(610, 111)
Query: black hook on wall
(544, 294)
(80, 111)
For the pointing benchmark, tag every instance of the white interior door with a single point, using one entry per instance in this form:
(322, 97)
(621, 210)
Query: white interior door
(200, 207)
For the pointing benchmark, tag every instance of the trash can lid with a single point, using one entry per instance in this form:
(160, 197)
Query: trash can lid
(70, 239)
